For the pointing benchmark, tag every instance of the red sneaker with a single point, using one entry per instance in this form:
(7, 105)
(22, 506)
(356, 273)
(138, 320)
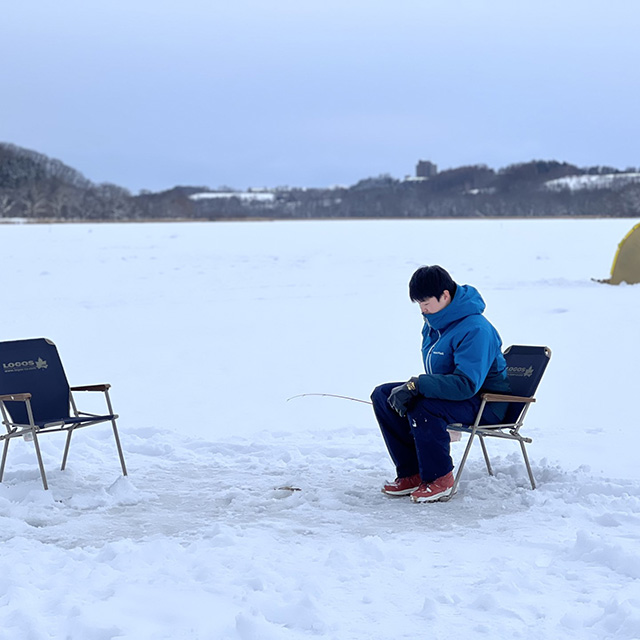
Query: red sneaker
(402, 486)
(436, 490)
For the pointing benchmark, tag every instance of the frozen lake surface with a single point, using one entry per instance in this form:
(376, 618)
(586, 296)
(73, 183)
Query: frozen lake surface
(249, 517)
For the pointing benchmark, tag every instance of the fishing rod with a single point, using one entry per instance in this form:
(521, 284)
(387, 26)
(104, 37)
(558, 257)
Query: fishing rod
(329, 395)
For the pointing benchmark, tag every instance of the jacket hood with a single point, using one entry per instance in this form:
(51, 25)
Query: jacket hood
(466, 302)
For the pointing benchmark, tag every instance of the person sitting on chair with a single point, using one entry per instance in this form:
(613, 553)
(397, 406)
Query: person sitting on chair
(463, 358)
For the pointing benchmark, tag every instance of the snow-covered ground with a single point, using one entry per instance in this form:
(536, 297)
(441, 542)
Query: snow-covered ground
(265, 196)
(246, 516)
(602, 181)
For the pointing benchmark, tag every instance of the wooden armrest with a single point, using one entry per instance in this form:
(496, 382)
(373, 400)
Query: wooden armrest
(15, 396)
(92, 387)
(497, 397)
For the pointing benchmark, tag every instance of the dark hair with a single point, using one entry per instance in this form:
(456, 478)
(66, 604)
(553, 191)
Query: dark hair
(429, 282)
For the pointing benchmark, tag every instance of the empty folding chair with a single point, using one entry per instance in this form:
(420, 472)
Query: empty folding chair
(525, 368)
(35, 398)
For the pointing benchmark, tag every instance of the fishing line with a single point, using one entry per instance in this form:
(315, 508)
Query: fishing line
(329, 395)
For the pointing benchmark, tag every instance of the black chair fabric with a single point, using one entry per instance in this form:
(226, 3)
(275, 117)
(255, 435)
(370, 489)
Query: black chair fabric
(525, 367)
(34, 366)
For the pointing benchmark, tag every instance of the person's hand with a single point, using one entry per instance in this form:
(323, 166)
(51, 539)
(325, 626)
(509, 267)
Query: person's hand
(401, 396)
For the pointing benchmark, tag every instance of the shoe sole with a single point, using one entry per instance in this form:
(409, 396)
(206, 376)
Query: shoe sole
(443, 496)
(404, 492)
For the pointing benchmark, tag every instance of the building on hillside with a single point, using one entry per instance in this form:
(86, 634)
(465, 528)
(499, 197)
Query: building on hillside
(426, 169)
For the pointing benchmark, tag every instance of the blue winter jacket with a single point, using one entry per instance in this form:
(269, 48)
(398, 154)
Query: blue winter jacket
(461, 350)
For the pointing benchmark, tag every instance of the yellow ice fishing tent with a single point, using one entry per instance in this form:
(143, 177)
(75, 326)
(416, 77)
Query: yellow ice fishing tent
(626, 263)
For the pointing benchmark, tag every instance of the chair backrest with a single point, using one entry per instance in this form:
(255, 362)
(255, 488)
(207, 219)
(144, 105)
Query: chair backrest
(525, 367)
(33, 366)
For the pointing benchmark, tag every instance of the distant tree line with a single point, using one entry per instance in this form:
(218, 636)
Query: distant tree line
(465, 192)
(35, 187)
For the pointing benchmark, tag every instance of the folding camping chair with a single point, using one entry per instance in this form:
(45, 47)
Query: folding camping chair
(525, 368)
(35, 398)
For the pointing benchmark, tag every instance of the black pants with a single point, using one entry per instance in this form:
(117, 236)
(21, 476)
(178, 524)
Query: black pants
(419, 442)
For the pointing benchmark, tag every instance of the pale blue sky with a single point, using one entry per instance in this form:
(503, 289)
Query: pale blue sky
(151, 94)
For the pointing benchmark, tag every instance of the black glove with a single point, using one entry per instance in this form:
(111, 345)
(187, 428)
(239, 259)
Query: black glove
(401, 396)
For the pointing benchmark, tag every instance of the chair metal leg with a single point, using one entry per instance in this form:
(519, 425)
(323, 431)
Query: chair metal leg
(40, 463)
(486, 455)
(118, 445)
(4, 457)
(66, 450)
(526, 461)
(462, 463)
(115, 433)
(474, 427)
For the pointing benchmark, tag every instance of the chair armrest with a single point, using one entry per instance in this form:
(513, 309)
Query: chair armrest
(497, 397)
(15, 396)
(92, 387)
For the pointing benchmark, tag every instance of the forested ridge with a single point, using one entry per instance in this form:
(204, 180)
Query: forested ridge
(36, 187)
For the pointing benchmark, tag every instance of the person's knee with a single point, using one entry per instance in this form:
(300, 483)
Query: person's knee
(378, 394)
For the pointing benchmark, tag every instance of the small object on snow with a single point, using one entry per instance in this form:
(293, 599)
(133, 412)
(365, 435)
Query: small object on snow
(287, 488)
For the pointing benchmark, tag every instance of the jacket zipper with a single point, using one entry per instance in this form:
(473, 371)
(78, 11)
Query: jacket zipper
(427, 360)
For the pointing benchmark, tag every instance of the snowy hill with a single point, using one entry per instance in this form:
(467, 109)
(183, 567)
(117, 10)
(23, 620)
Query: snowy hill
(604, 181)
(249, 517)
